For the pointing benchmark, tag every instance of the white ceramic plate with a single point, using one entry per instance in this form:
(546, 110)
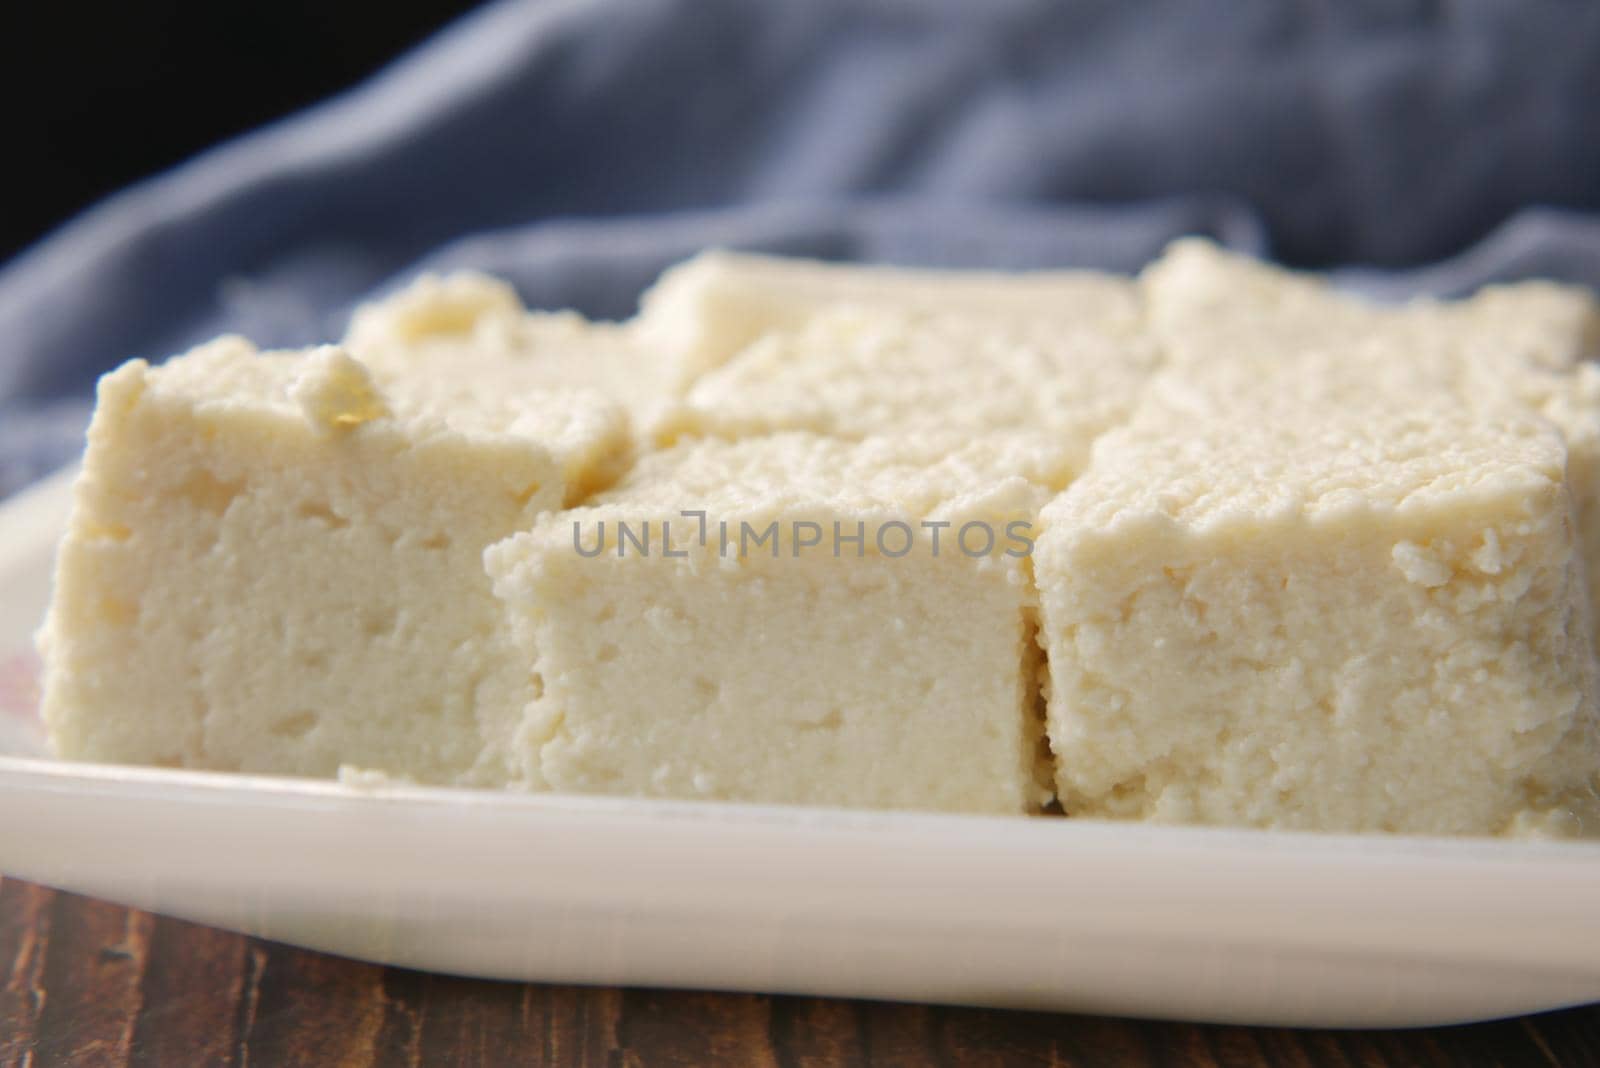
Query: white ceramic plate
(1051, 914)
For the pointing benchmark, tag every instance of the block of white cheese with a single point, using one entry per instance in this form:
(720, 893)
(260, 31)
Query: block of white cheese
(1533, 342)
(1343, 600)
(1202, 300)
(854, 371)
(709, 308)
(274, 564)
(787, 619)
(469, 333)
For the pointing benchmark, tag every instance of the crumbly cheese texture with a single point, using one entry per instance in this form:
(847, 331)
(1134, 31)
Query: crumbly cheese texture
(771, 661)
(807, 533)
(1531, 342)
(710, 308)
(274, 564)
(854, 371)
(1324, 594)
(468, 335)
(1202, 301)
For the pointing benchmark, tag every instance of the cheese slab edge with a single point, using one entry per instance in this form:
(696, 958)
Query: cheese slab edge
(274, 564)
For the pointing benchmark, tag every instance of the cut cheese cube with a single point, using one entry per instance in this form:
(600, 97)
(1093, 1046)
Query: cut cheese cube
(707, 309)
(1532, 342)
(1207, 304)
(787, 619)
(274, 564)
(1342, 600)
(854, 372)
(468, 334)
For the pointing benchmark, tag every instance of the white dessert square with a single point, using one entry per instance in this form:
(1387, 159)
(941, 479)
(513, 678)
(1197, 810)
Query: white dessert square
(1204, 303)
(706, 310)
(1304, 612)
(852, 372)
(275, 565)
(468, 333)
(746, 652)
(1531, 342)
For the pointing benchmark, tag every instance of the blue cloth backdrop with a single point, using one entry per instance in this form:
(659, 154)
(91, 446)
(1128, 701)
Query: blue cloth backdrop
(577, 146)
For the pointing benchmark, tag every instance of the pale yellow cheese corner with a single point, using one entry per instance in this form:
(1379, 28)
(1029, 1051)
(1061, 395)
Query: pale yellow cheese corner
(744, 652)
(706, 310)
(1322, 579)
(469, 334)
(854, 372)
(1529, 342)
(274, 564)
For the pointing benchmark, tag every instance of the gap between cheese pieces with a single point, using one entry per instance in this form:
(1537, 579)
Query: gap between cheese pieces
(465, 326)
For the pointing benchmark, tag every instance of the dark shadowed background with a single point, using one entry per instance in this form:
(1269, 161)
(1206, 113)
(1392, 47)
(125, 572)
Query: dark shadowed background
(102, 94)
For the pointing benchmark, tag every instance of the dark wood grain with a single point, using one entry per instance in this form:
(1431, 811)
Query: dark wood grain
(24, 933)
(87, 983)
(92, 982)
(195, 981)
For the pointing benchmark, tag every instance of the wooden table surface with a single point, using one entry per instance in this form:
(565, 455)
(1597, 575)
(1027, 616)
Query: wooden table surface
(91, 983)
